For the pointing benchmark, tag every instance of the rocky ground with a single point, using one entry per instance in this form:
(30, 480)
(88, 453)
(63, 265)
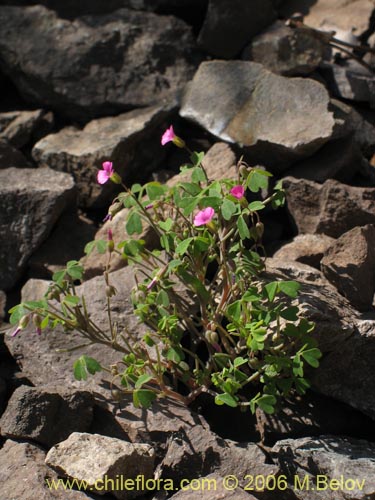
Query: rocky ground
(89, 81)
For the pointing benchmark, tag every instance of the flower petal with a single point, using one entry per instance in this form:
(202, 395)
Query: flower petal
(237, 191)
(204, 216)
(168, 136)
(102, 177)
(108, 167)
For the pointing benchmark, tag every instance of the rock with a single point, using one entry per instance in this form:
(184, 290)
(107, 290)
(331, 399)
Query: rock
(31, 201)
(45, 366)
(46, 417)
(23, 474)
(312, 415)
(349, 265)
(219, 163)
(11, 157)
(349, 461)
(122, 60)
(3, 394)
(230, 24)
(331, 208)
(57, 250)
(3, 301)
(340, 160)
(213, 483)
(338, 15)
(286, 51)
(120, 139)
(305, 248)
(277, 119)
(350, 80)
(20, 127)
(99, 459)
(34, 289)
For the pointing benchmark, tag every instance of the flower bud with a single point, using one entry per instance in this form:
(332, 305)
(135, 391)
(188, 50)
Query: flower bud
(24, 321)
(110, 291)
(177, 141)
(259, 227)
(116, 178)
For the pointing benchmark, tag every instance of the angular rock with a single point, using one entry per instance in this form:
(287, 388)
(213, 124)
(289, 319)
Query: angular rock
(231, 24)
(3, 301)
(277, 119)
(46, 417)
(349, 265)
(305, 248)
(23, 474)
(340, 160)
(219, 163)
(20, 127)
(11, 157)
(122, 60)
(329, 458)
(331, 208)
(34, 289)
(93, 458)
(212, 485)
(31, 201)
(286, 51)
(57, 250)
(120, 139)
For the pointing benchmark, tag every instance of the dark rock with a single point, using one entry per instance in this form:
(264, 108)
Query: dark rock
(277, 119)
(286, 51)
(100, 460)
(305, 248)
(212, 485)
(21, 127)
(3, 301)
(23, 474)
(331, 208)
(46, 417)
(329, 458)
(349, 265)
(31, 201)
(3, 395)
(58, 249)
(339, 160)
(11, 157)
(120, 139)
(122, 60)
(231, 24)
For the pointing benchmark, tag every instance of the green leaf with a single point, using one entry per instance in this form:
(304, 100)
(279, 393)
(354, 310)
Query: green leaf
(59, 276)
(101, 246)
(242, 228)
(85, 365)
(226, 399)
(266, 403)
(239, 362)
(211, 201)
(143, 398)
(89, 247)
(258, 179)
(136, 188)
(256, 205)
(72, 300)
(198, 175)
(290, 288)
(166, 225)
(196, 158)
(228, 208)
(75, 271)
(271, 290)
(155, 190)
(162, 298)
(133, 224)
(175, 354)
(16, 313)
(311, 356)
(183, 246)
(143, 379)
(290, 313)
(234, 311)
(188, 204)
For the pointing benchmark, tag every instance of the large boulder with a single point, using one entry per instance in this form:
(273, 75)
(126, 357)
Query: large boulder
(230, 24)
(331, 208)
(277, 119)
(121, 60)
(21, 127)
(120, 139)
(305, 248)
(31, 201)
(11, 157)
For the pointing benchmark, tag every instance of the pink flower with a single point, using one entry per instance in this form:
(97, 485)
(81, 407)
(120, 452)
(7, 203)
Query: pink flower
(204, 216)
(237, 191)
(168, 136)
(16, 331)
(110, 235)
(152, 283)
(105, 174)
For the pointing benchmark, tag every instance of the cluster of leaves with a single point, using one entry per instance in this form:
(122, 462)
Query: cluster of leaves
(216, 324)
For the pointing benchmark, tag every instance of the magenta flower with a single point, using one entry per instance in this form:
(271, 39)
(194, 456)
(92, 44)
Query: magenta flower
(152, 283)
(237, 191)
(16, 331)
(104, 175)
(110, 235)
(168, 136)
(204, 216)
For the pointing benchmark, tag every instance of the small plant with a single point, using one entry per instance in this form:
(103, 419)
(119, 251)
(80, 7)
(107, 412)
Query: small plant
(216, 325)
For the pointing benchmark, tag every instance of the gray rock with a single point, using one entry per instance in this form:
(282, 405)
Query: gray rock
(46, 417)
(122, 60)
(120, 139)
(277, 119)
(93, 458)
(305, 248)
(212, 485)
(57, 250)
(3, 301)
(23, 474)
(31, 201)
(349, 265)
(11, 157)
(20, 127)
(230, 24)
(34, 289)
(326, 459)
(286, 51)
(331, 208)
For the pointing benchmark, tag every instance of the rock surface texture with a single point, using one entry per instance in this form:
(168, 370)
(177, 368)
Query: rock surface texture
(121, 60)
